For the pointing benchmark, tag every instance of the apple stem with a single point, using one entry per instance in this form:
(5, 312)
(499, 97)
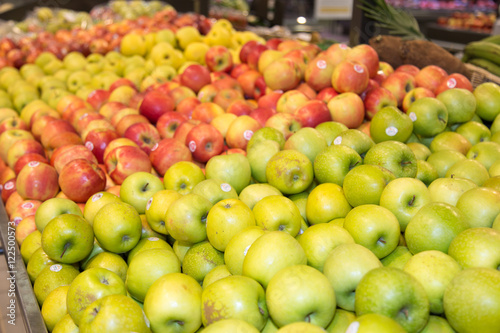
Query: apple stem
(145, 187)
(352, 166)
(307, 319)
(381, 240)
(412, 201)
(405, 312)
(66, 246)
(406, 163)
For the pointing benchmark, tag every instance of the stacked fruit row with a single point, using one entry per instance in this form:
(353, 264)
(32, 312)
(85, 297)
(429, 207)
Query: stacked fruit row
(241, 184)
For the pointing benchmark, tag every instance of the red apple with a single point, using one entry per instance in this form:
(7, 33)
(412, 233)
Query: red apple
(118, 143)
(377, 99)
(109, 109)
(318, 73)
(12, 123)
(181, 93)
(54, 128)
(282, 74)
(415, 94)
(286, 123)
(247, 82)
(349, 76)
(84, 120)
(25, 159)
(37, 181)
(254, 55)
(204, 141)
(240, 131)
(98, 139)
(262, 114)
(366, 55)
(219, 59)
(183, 129)
(121, 114)
(23, 147)
(313, 112)
(269, 100)
(195, 76)
(246, 49)
(125, 160)
(128, 121)
(80, 179)
(97, 98)
(65, 154)
(337, 53)
(407, 68)
(238, 69)
(240, 107)
(145, 135)
(399, 83)
(155, 104)
(306, 89)
(207, 111)
(348, 109)
(225, 97)
(273, 43)
(326, 94)
(168, 152)
(430, 77)
(7, 189)
(186, 106)
(122, 82)
(455, 80)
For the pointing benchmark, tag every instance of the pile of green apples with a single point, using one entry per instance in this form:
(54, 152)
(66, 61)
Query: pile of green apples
(284, 190)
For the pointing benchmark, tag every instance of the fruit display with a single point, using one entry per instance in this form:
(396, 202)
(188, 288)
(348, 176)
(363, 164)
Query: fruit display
(221, 182)
(469, 21)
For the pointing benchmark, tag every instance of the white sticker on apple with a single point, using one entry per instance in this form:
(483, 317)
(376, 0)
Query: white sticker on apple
(153, 239)
(248, 134)
(192, 146)
(391, 131)
(85, 115)
(353, 328)
(225, 187)
(148, 205)
(27, 205)
(89, 145)
(359, 69)
(17, 220)
(413, 116)
(33, 164)
(337, 141)
(154, 147)
(96, 197)
(321, 64)
(451, 83)
(343, 46)
(55, 268)
(9, 185)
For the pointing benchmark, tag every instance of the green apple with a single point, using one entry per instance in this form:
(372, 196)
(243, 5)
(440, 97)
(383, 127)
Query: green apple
(474, 132)
(96, 202)
(333, 163)
(443, 160)
(319, 240)
(74, 61)
(156, 262)
(215, 190)
(200, 259)
(434, 270)
(267, 133)
(277, 212)
(330, 130)
(404, 197)
(259, 155)
(326, 202)
(341, 321)
(394, 156)
(114, 313)
(355, 139)
(180, 249)
(231, 325)
(301, 327)
(156, 209)
(37, 262)
(421, 151)
(237, 297)
(65, 324)
(90, 285)
(54, 207)
(300, 293)
(449, 190)
(390, 123)
(118, 227)
(137, 188)
(270, 326)
(227, 218)
(344, 267)
(374, 322)
(96, 249)
(437, 324)
(494, 169)
(397, 258)
(480, 206)
(186, 218)
(374, 227)
(290, 171)
(429, 116)
(364, 184)
(486, 153)
(460, 103)
(67, 238)
(472, 300)
(476, 247)
(233, 169)
(52, 277)
(77, 80)
(393, 293)
(253, 193)
(148, 244)
(31, 243)
(54, 307)
(111, 261)
(426, 173)
(182, 177)
(216, 274)
(300, 200)
(238, 246)
(450, 141)
(434, 227)
(493, 183)
(308, 141)
(270, 253)
(487, 96)
(469, 169)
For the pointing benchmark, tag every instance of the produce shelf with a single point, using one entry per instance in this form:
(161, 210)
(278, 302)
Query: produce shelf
(27, 312)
